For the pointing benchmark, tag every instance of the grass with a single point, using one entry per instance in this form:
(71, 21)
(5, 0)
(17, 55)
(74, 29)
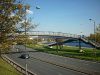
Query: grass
(7, 69)
(68, 51)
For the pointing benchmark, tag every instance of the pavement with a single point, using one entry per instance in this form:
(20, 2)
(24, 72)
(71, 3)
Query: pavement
(72, 64)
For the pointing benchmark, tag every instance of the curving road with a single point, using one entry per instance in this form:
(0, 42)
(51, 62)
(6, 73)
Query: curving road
(40, 67)
(44, 64)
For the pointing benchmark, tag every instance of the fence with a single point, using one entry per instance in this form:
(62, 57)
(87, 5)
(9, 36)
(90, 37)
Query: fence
(17, 66)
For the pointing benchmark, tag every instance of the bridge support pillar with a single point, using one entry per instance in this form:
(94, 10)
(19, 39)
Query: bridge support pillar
(80, 44)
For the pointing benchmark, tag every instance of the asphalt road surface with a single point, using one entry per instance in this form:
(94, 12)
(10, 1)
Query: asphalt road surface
(41, 67)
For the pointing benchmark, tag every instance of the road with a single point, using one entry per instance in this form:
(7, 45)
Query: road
(42, 68)
(48, 64)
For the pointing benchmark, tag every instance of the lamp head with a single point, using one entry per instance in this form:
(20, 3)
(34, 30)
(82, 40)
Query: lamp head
(90, 19)
(37, 7)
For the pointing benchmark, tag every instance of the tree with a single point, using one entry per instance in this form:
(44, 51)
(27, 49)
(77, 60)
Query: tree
(7, 21)
(59, 44)
(98, 29)
(96, 36)
(12, 12)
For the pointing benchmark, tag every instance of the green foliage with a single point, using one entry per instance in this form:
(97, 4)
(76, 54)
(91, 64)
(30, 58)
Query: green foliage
(7, 22)
(88, 54)
(11, 14)
(96, 36)
(59, 44)
(98, 29)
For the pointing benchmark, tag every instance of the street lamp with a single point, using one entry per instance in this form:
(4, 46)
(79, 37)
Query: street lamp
(26, 35)
(94, 31)
(25, 42)
(94, 35)
(37, 7)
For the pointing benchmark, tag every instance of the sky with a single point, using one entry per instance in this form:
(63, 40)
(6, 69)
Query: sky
(67, 16)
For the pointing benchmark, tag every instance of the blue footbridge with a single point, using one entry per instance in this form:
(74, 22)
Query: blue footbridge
(83, 40)
(66, 37)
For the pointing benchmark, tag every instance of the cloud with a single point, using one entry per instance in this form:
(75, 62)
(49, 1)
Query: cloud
(22, 21)
(12, 14)
(29, 12)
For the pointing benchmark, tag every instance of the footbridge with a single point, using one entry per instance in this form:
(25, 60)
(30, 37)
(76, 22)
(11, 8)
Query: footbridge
(50, 33)
(59, 35)
(95, 45)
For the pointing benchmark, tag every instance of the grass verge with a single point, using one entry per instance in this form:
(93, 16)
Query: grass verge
(7, 69)
(73, 52)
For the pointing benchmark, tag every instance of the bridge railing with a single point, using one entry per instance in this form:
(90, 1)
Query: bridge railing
(17, 66)
(50, 33)
(92, 42)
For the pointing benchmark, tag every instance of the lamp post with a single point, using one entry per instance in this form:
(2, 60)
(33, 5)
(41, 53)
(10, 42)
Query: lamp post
(94, 35)
(25, 41)
(94, 30)
(37, 8)
(26, 7)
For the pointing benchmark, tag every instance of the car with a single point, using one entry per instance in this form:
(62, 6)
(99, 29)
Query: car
(25, 56)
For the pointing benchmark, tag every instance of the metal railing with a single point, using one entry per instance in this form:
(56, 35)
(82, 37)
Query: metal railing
(17, 66)
(91, 42)
(50, 33)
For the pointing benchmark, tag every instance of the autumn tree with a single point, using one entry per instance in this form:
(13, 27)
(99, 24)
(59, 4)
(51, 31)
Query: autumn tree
(96, 36)
(59, 44)
(12, 13)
